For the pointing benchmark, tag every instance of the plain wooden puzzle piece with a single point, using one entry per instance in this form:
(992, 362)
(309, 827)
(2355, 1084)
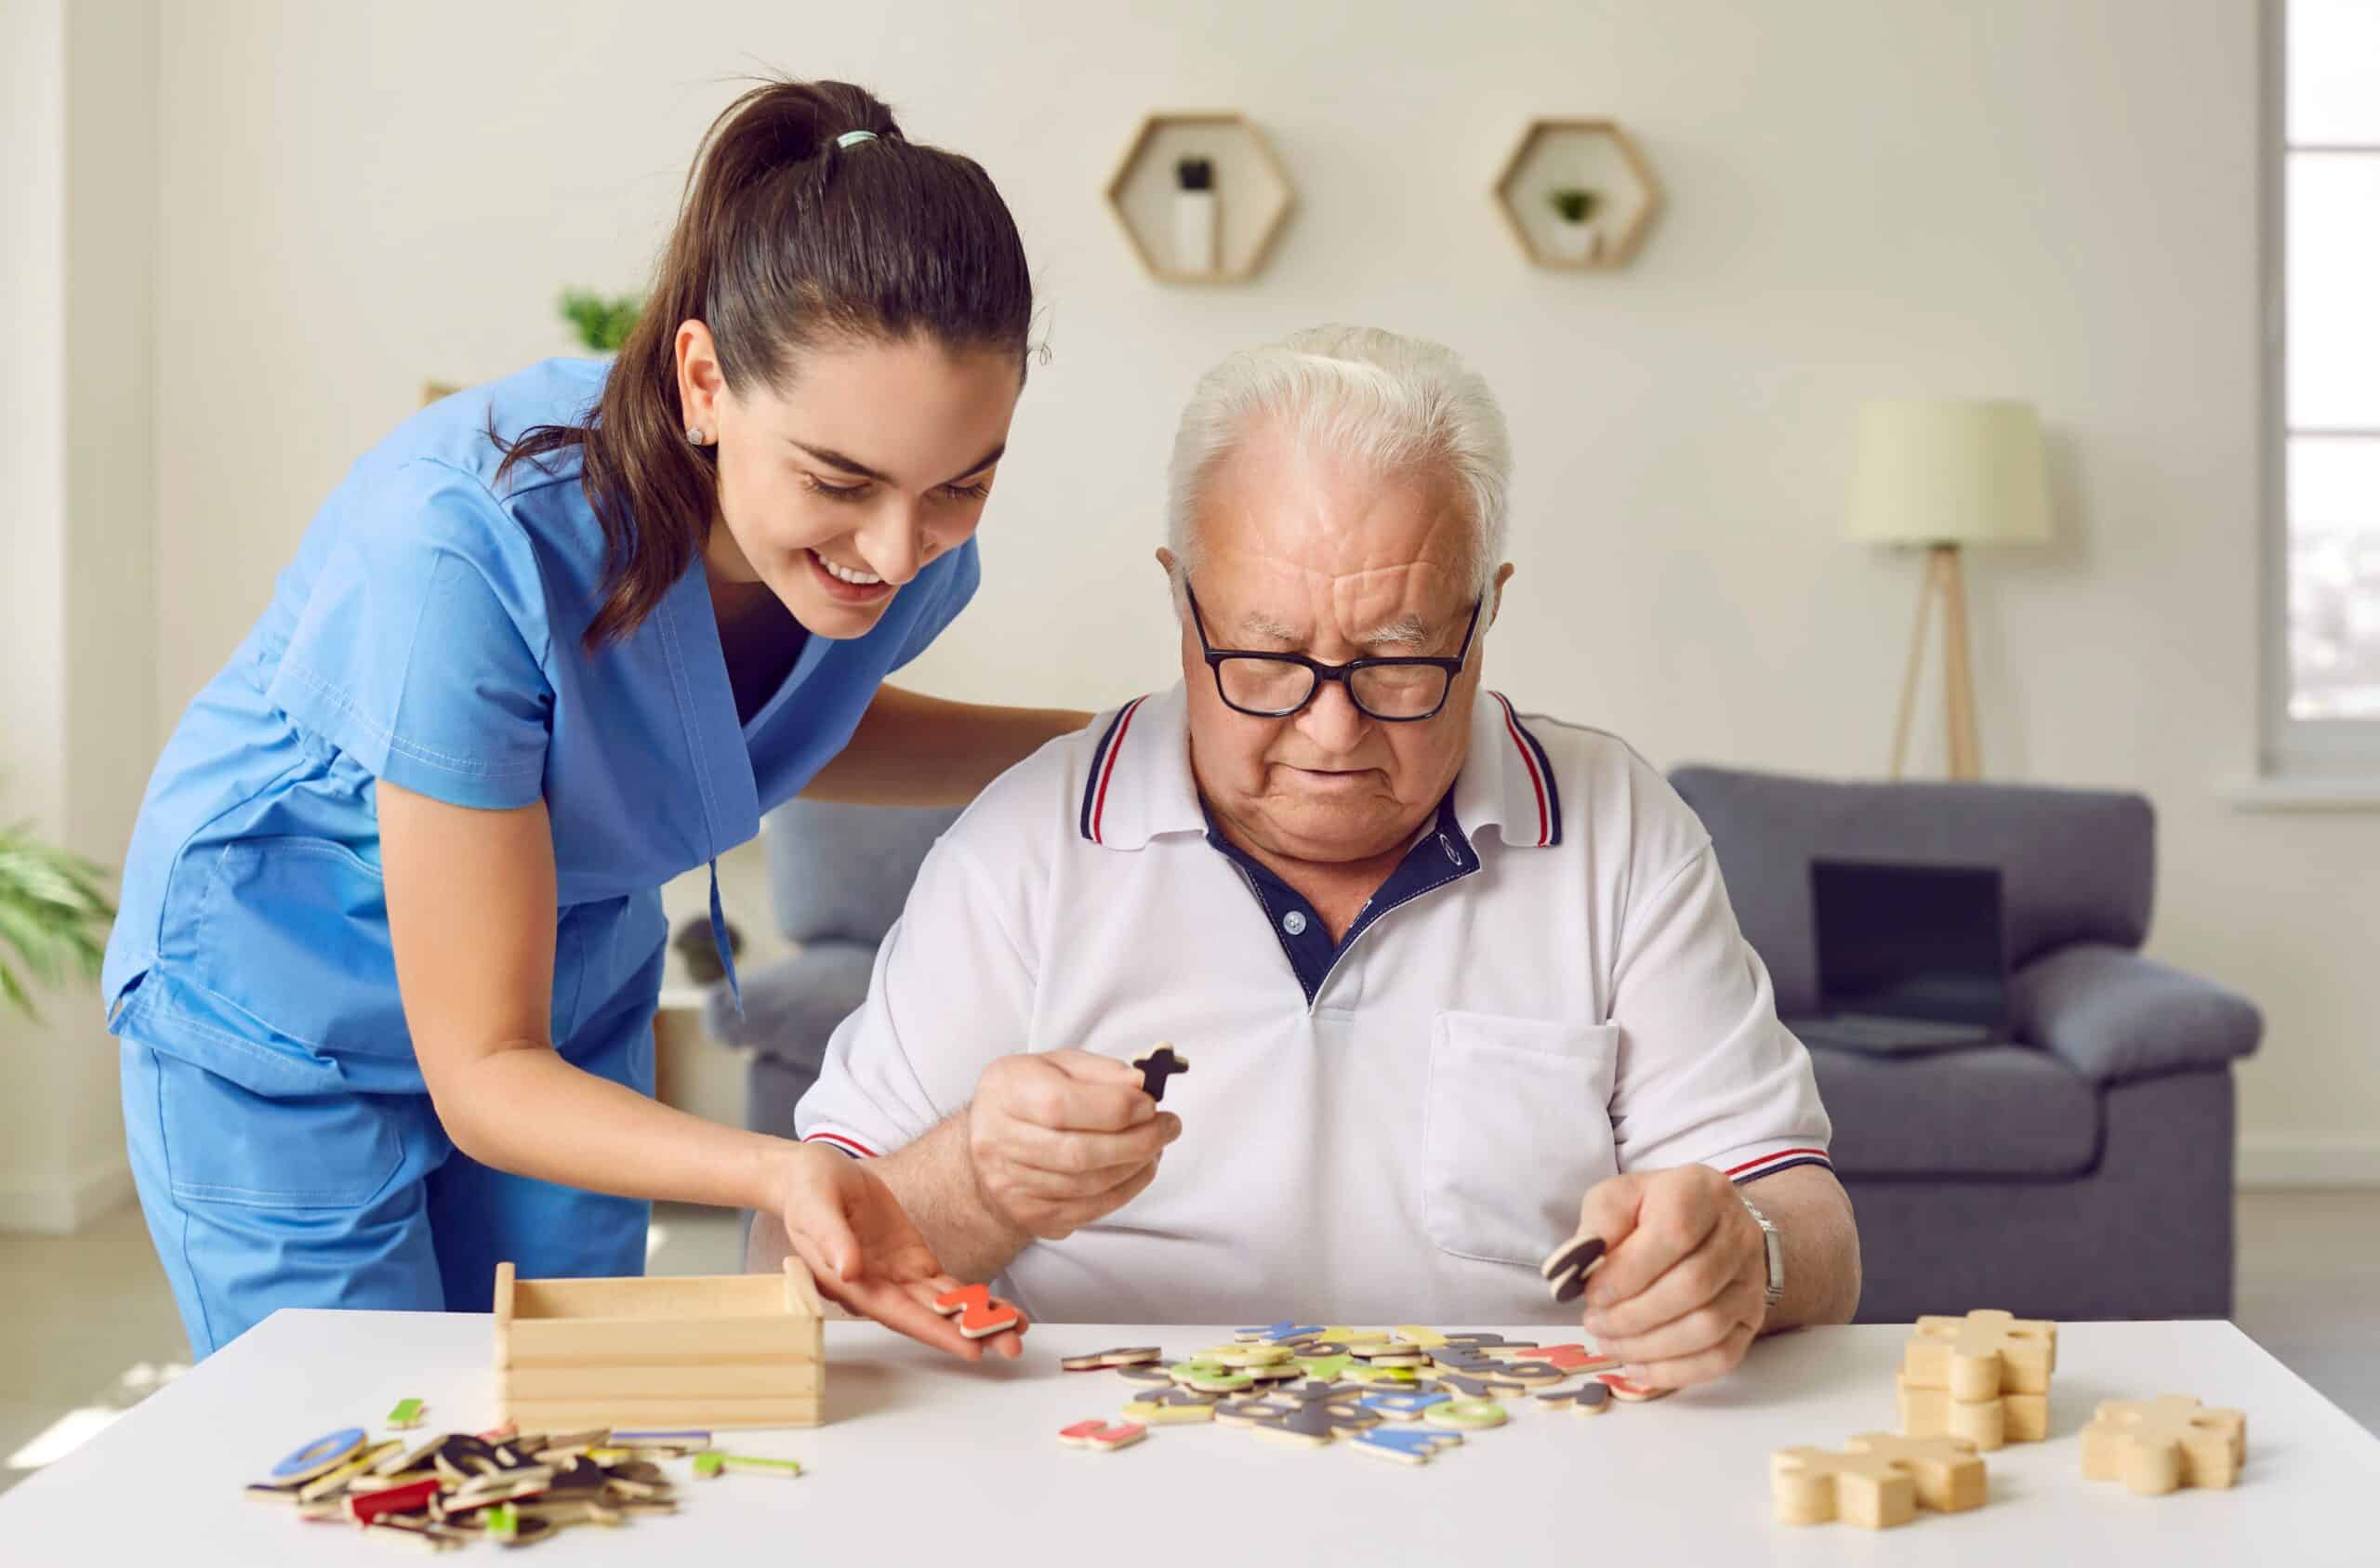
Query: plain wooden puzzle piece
(1128, 1355)
(1932, 1412)
(1158, 1066)
(1810, 1487)
(1567, 1266)
(2158, 1445)
(1948, 1476)
(980, 1313)
(1097, 1433)
(1982, 1355)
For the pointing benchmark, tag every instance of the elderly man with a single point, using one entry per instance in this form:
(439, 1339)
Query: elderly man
(1454, 982)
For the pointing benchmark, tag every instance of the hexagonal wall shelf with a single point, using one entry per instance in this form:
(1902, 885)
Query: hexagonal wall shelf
(1201, 197)
(1593, 156)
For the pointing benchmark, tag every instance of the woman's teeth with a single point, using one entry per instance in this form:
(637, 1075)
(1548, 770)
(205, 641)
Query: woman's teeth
(844, 573)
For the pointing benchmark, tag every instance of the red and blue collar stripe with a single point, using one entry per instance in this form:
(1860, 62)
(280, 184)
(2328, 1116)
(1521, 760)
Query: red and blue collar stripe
(1102, 771)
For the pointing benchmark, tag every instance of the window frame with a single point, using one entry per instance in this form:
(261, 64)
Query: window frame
(2288, 748)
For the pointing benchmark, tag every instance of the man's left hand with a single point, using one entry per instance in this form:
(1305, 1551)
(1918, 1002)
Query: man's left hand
(1683, 1288)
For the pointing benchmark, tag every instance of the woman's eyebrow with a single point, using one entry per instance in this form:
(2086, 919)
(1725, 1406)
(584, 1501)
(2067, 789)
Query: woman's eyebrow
(834, 459)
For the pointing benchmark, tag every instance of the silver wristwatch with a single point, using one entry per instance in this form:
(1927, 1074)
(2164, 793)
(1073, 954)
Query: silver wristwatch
(1775, 1247)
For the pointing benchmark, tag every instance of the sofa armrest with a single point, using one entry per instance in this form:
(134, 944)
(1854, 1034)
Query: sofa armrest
(2114, 1016)
(792, 1007)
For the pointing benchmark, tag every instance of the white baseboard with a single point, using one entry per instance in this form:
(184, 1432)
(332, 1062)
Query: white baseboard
(2311, 1160)
(59, 1206)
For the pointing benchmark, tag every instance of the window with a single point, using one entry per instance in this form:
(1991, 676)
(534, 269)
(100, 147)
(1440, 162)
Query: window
(2323, 387)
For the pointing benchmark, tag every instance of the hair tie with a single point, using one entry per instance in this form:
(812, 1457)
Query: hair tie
(851, 138)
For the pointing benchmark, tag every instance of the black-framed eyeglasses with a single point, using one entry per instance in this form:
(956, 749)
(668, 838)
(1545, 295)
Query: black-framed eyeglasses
(1276, 685)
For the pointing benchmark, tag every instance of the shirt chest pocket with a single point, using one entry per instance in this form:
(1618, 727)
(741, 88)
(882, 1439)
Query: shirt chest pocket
(1516, 1128)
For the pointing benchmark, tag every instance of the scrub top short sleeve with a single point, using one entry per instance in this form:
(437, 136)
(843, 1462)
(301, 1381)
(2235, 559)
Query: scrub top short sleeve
(959, 585)
(420, 652)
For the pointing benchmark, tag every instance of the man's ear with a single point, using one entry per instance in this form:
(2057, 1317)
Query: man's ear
(1496, 593)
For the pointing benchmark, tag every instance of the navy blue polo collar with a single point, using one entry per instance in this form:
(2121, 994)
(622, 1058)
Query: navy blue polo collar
(1140, 785)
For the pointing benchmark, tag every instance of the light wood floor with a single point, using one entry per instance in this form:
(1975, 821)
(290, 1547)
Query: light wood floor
(86, 1322)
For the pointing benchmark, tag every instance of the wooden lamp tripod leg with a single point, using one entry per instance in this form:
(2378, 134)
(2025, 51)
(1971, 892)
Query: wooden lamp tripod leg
(1958, 678)
(1916, 659)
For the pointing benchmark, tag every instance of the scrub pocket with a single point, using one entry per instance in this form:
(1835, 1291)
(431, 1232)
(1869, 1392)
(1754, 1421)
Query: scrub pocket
(1516, 1128)
(295, 933)
(226, 1144)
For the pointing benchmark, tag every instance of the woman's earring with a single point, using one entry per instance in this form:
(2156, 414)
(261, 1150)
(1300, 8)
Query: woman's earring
(695, 434)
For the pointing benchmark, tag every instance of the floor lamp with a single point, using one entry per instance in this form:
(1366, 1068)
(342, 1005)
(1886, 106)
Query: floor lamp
(1946, 474)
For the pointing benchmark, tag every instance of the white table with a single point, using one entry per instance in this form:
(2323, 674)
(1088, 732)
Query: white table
(924, 1456)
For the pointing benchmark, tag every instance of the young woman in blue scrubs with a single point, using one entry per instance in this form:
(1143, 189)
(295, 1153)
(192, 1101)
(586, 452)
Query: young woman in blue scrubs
(392, 934)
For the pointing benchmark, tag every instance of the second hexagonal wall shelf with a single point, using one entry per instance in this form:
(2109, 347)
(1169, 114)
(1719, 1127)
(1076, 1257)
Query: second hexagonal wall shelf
(1578, 193)
(1201, 197)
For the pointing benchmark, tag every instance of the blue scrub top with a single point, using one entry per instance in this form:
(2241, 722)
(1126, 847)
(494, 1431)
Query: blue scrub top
(429, 633)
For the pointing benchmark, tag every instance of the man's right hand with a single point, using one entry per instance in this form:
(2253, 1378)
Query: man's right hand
(1060, 1139)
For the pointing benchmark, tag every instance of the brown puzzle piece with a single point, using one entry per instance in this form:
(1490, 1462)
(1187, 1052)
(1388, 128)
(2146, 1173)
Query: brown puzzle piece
(1982, 1355)
(2156, 1445)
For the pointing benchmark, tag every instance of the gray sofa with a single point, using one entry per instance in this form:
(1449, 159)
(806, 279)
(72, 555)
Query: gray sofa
(2081, 1169)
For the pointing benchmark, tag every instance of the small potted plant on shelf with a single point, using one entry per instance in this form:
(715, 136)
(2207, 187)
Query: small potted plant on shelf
(1575, 239)
(601, 324)
(53, 918)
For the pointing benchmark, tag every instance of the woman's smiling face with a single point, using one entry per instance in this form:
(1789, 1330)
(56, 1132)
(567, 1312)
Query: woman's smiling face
(838, 488)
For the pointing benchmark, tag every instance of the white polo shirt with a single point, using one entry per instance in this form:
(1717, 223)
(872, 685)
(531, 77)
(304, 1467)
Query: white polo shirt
(1550, 989)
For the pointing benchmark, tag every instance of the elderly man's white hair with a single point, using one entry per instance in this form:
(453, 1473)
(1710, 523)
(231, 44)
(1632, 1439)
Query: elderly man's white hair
(1389, 402)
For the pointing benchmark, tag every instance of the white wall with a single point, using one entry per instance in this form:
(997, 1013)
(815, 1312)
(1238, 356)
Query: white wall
(78, 651)
(2050, 199)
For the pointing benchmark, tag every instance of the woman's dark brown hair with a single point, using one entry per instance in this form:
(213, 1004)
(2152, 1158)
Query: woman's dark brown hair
(784, 239)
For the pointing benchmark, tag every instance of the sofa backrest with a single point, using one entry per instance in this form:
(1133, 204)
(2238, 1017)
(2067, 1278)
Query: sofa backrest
(844, 872)
(2075, 864)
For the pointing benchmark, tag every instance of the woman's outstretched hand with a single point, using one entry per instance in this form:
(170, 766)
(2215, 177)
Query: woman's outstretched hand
(866, 1254)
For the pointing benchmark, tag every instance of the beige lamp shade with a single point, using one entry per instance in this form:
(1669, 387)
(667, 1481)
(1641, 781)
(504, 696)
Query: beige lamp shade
(1940, 471)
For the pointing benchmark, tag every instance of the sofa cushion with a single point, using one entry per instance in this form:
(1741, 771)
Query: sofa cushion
(2114, 1016)
(2004, 1110)
(844, 872)
(2076, 865)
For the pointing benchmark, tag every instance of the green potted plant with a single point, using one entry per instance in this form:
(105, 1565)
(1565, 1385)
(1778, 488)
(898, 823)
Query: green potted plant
(53, 918)
(600, 325)
(1575, 239)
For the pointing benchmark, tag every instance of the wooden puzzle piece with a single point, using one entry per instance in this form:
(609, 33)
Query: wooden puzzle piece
(1247, 1410)
(1984, 1422)
(1287, 1372)
(365, 1507)
(1810, 1487)
(1400, 1376)
(1567, 1266)
(416, 1458)
(2158, 1445)
(1402, 1406)
(331, 1482)
(1635, 1393)
(1314, 1390)
(1417, 1333)
(1350, 1336)
(1589, 1398)
(1982, 1355)
(1479, 1342)
(980, 1313)
(406, 1415)
(1158, 1066)
(324, 1453)
(1145, 1373)
(1130, 1355)
(1311, 1425)
(1172, 1406)
(710, 1466)
(1210, 1376)
(1524, 1375)
(1327, 1368)
(1465, 1415)
(1096, 1433)
(1947, 1476)
(1465, 1387)
(1246, 1356)
(1406, 1445)
(1574, 1358)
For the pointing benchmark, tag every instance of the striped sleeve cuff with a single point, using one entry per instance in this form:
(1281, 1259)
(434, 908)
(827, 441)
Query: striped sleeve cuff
(843, 1142)
(1752, 1168)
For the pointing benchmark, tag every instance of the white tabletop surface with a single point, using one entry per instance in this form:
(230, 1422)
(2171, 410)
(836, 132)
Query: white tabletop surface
(924, 1458)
